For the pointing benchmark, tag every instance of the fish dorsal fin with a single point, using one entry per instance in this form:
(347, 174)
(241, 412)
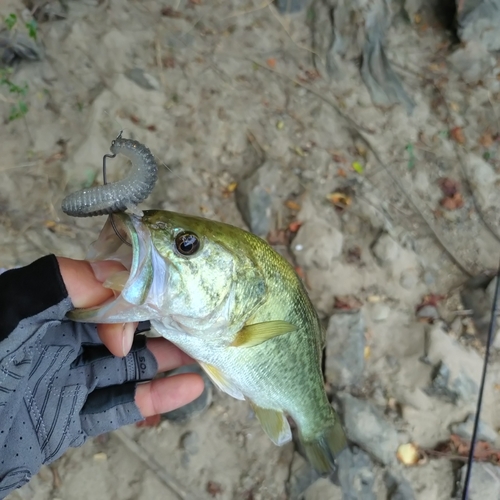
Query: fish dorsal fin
(221, 382)
(274, 423)
(252, 335)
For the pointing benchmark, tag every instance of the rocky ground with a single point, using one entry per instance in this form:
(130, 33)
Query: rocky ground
(386, 215)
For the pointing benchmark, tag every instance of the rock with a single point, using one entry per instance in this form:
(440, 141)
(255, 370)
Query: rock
(356, 474)
(190, 442)
(429, 312)
(386, 250)
(484, 481)
(254, 198)
(472, 62)
(380, 311)
(398, 488)
(317, 244)
(478, 21)
(367, 427)
(483, 178)
(345, 345)
(457, 368)
(429, 278)
(477, 295)
(409, 278)
(291, 6)
(196, 407)
(302, 476)
(465, 429)
(143, 79)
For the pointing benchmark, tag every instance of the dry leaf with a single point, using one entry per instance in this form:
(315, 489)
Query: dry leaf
(292, 205)
(457, 134)
(271, 62)
(213, 488)
(432, 299)
(294, 226)
(340, 200)
(353, 255)
(367, 352)
(448, 186)
(347, 303)
(408, 454)
(453, 202)
(341, 173)
(169, 12)
(486, 140)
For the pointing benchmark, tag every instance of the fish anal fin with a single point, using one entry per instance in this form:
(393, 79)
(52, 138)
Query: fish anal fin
(274, 423)
(252, 335)
(221, 382)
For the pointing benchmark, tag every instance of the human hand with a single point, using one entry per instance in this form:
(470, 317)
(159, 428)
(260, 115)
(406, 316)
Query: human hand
(59, 384)
(83, 281)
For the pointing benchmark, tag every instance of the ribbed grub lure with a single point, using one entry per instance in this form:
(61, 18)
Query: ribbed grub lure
(121, 195)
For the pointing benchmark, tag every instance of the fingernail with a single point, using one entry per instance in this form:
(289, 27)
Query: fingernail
(101, 270)
(127, 337)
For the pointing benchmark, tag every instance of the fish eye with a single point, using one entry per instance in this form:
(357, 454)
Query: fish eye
(187, 243)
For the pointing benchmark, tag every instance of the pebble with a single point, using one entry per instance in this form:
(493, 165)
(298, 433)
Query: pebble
(143, 79)
(409, 279)
(356, 474)
(465, 429)
(367, 427)
(345, 345)
(190, 442)
(380, 311)
(317, 244)
(484, 481)
(386, 250)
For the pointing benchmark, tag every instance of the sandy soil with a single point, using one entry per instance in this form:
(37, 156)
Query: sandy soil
(233, 85)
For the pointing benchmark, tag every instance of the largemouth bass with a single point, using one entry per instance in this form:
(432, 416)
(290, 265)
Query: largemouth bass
(226, 298)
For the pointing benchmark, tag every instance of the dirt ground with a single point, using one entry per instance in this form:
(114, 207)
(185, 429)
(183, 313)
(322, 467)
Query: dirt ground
(232, 85)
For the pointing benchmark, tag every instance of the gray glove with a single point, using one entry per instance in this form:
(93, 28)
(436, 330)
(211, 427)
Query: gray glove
(59, 384)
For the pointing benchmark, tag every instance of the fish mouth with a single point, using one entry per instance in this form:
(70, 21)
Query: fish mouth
(140, 289)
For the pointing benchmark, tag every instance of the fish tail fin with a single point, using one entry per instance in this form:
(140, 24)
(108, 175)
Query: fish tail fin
(322, 449)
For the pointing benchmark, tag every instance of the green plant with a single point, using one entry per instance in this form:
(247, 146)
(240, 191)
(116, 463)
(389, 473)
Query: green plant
(18, 93)
(19, 107)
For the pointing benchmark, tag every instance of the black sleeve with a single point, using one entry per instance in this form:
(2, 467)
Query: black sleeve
(29, 290)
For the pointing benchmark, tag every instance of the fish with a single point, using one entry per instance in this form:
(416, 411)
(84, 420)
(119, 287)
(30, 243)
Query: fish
(228, 299)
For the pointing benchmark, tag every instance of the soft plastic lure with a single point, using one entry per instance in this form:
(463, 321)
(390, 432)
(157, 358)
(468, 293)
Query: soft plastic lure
(121, 195)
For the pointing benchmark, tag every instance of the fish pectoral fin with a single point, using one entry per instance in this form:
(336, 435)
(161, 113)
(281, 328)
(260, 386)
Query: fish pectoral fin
(221, 382)
(252, 335)
(274, 423)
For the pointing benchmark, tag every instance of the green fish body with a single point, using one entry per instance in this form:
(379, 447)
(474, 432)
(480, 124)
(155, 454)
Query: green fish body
(226, 298)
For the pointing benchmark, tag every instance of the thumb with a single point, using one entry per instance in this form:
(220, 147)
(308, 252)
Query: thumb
(84, 280)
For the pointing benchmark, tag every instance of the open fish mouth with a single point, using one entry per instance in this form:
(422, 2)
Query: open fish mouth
(140, 289)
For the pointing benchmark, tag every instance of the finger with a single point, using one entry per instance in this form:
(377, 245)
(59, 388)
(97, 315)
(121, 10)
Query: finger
(117, 337)
(168, 356)
(167, 394)
(84, 280)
